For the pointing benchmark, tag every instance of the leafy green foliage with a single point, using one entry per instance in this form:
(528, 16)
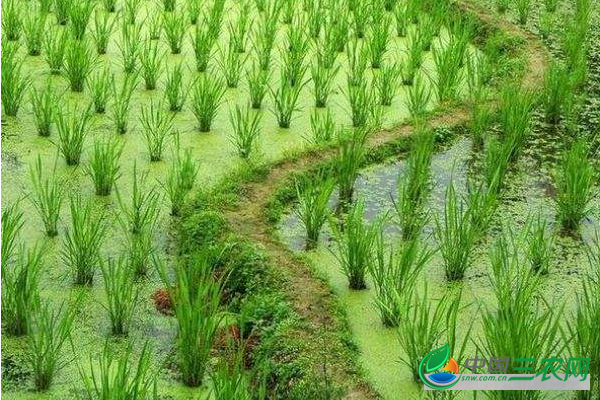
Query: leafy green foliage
(81, 248)
(355, 241)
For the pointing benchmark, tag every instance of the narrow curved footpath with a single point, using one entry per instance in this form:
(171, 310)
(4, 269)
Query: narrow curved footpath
(310, 296)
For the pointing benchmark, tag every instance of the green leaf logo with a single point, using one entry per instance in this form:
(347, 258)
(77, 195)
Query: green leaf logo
(437, 358)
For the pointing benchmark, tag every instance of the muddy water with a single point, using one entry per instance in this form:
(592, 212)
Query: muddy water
(529, 191)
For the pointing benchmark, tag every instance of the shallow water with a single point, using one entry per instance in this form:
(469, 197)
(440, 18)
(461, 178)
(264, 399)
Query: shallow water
(528, 191)
(213, 151)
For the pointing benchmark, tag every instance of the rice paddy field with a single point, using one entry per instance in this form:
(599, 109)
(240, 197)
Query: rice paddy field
(296, 199)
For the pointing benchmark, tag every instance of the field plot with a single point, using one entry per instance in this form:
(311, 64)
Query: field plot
(295, 199)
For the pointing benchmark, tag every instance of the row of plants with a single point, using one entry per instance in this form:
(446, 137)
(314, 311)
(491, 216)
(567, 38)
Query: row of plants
(360, 250)
(70, 54)
(220, 288)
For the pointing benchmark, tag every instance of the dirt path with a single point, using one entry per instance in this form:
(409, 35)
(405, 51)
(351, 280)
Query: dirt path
(311, 297)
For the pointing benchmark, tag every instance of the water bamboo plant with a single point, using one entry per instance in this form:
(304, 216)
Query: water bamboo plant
(103, 167)
(79, 62)
(246, 130)
(157, 125)
(54, 45)
(12, 20)
(119, 376)
(47, 196)
(355, 243)
(349, 158)
(540, 243)
(394, 272)
(414, 186)
(285, 100)
(121, 292)
(583, 342)
(456, 235)
(34, 27)
(174, 26)
(207, 95)
(20, 292)
(313, 206)
(258, 84)
(81, 248)
(43, 103)
(175, 93)
(72, 130)
(12, 223)
(14, 83)
(322, 127)
(79, 16)
(574, 182)
(99, 85)
(196, 297)
(425, 322)
(51, 330)
(121, 102)
(151, 64)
